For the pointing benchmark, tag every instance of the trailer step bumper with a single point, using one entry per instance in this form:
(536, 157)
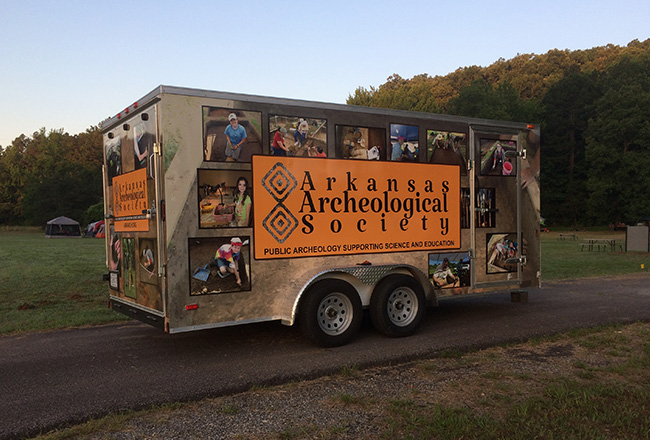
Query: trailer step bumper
(135, 312)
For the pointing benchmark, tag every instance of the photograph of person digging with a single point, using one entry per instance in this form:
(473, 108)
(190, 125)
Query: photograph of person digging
(219, 265)
(231, 136)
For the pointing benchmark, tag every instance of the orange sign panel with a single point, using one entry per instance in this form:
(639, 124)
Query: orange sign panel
(312, 206)
(130, 198)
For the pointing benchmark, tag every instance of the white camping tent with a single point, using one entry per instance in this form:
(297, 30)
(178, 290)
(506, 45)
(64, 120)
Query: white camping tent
(62, 227)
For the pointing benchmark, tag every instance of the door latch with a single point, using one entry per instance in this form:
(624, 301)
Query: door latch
(521, 260)
(521, 154)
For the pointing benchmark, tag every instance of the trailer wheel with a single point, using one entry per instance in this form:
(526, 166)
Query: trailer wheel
(331, 313)
(397, 306)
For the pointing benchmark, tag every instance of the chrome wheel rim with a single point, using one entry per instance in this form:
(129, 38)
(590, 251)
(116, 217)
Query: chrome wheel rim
(402, 306)
(335, 314)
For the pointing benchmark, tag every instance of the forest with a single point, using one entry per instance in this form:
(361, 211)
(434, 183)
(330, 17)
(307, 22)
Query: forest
(594, 110)
(593, 107)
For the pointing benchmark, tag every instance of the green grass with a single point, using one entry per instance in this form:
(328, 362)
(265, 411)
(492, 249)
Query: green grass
(564, 259)
(51, 283)
(607, 403)
(568, 409)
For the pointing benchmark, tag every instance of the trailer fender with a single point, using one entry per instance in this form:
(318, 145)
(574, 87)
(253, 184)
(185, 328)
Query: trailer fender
(364, 279)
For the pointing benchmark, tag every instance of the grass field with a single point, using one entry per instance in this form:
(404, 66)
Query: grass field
(51, 283)
(564, 258)
(57, 283)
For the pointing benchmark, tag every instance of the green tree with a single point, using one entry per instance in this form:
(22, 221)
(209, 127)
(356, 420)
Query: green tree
(50, 174)
(399, 93)
(481, 100)
(568, 106)
(618, 145)
(93, 213)
(12, 181)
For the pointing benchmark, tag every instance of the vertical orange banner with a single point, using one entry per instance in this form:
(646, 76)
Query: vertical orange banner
(310, 207)
(130, 199)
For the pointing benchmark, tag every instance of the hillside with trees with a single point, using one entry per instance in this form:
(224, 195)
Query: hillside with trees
(593, 107)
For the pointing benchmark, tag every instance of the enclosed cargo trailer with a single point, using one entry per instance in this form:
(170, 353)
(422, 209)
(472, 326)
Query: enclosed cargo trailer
(225, 209)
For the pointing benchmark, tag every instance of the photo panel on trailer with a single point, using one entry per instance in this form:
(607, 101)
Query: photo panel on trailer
(147, 261)
(113, 155)
(115, 260)
(225, 198)
(447, 148)
(219, 264)
(450, 269)
(498, 157)
(354, 142)
(404, 141)
(297, 136)
(486, 204)
(231, 135)
(501, 249)
(144, 138)
(128, 259)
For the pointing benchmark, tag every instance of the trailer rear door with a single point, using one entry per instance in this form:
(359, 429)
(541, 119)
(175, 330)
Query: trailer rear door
(134, 192)
(496, 244)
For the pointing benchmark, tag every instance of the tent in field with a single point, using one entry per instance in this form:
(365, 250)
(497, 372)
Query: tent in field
(62, 227)
(95, 229)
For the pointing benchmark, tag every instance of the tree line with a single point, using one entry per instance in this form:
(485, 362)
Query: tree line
(593, 106)
(51, 174)
(594, 110)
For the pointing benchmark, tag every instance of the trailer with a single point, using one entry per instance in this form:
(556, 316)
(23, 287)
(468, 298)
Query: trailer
(224, 209)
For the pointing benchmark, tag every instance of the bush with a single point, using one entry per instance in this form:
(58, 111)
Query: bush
(94, 213)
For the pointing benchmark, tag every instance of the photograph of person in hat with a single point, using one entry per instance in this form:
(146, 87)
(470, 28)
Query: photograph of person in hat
(227, 259)
(231, 135)
(236, 135)
(405, 144)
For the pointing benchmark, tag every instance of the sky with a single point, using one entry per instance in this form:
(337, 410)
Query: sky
(67, 64)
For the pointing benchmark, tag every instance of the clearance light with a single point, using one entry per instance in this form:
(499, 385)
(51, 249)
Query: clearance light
(191, 306)
(530, 126)
(135, 105)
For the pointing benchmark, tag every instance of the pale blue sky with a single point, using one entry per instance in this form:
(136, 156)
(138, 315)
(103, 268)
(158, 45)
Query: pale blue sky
(70, 64)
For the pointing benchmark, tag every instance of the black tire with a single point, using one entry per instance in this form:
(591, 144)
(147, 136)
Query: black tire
(331, 313)
(397, 306)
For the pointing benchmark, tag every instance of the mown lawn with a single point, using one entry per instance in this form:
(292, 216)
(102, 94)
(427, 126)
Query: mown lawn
(57, 283)
(51, 283)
